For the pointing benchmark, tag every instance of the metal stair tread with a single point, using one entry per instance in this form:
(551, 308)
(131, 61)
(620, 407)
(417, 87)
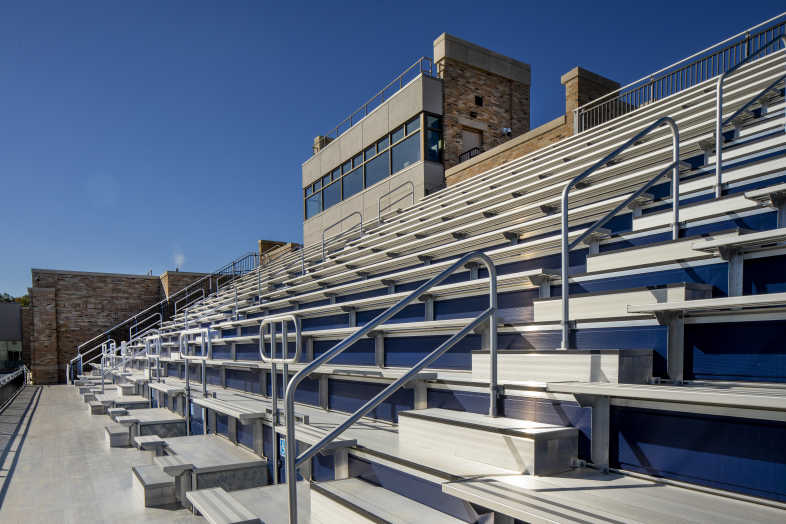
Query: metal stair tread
(713, 304)
(380, 503)
(757, 239)
(502, 425)
(219, 507)
(312, 434)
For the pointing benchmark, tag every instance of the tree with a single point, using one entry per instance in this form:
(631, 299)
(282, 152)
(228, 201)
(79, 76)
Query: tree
(24, 300)
(5, 297)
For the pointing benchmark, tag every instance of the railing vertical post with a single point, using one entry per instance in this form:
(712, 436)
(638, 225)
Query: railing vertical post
(675, 182)
(564, 272)
(718, 135)
(493, 388)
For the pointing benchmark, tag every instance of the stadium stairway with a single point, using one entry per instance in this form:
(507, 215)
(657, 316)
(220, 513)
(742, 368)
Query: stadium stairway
(668, 404)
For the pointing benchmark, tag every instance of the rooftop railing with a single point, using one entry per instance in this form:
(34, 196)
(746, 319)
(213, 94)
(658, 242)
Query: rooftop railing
(686, 73)
(423, 65)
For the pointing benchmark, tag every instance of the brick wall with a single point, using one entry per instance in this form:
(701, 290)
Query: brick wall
(505, 104)
(174, 281)
(581, 86)
(27, 332)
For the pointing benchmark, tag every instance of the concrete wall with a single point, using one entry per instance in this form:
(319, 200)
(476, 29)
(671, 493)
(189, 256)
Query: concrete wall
(174, 281)
(420, 94)
(581, 86)
(425, 176)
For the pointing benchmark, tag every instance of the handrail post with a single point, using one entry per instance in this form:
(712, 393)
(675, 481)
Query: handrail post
(719, 113)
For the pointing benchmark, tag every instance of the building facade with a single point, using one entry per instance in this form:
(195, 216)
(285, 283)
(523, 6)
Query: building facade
(467, 99)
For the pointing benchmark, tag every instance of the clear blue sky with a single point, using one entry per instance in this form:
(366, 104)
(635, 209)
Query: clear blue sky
(134, 133)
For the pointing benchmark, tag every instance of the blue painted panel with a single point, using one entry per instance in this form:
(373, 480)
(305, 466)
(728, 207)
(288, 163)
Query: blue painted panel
(243, 380)
(737, 351)
(228, 332)
(222, 352)
(757, 222)
(222, 424)
(245, 434)
(741, 455)
(407, 351)
(213, 376)
(764, 275)
(412, 313)
(247, 351)
(197, 424)
(323, 467)
(173, 370)
(364, 294)
(360, 353)
(349, 396)
(458, 400)
(410, 486)
(307, 392)
(326, 322)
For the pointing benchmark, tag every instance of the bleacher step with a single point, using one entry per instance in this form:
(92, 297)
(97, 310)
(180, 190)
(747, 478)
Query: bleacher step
(355, 500)
(557, 365)
(612, 304)
(522, 446)
(219, 507)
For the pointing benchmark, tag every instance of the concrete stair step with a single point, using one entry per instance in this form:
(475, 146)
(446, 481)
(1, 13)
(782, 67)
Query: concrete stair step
(521, 446)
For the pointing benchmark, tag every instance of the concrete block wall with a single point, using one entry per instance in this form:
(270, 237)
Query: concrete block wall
(70, 307)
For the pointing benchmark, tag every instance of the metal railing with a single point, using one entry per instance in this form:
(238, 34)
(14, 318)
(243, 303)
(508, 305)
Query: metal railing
(681, 75)
(145, 323)
(293, 461)
(469, 153)
(285, 360)
(206, 351)
(12, 382)
(423, 65)
(187, 297)
(343, 233)
(410, 194)
(673, 167)
(719, 122)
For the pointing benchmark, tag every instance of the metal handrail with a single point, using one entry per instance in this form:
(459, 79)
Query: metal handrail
(294, 461)
(719, 111)
(194, 292)
(5, 379)
(391, 204)
(284, 320)
(674, 167)
(343, 233)
(423, 65)
(135, 325)
(683, 74)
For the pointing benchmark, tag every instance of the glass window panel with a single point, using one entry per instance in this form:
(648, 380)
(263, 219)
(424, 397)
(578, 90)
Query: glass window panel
(325, 180)
(413, 125)
(313, 205)
(370, 152)
(317, 185)
(397, 135)
(382, 143)
(309, 190)
(406, 153)
(378, 169)
(357, 160)
(347, 167)
(433, 122)
(433, 145)
(331, 195)
(353, 182)
(336, 173)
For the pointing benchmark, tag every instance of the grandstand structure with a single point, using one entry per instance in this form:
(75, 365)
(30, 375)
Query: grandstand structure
(591, 332)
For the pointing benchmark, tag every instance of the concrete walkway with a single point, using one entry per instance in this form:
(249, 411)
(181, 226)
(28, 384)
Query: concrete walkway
(55, 465)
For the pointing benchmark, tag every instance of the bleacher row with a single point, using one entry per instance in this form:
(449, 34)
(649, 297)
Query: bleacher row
(672, 390)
